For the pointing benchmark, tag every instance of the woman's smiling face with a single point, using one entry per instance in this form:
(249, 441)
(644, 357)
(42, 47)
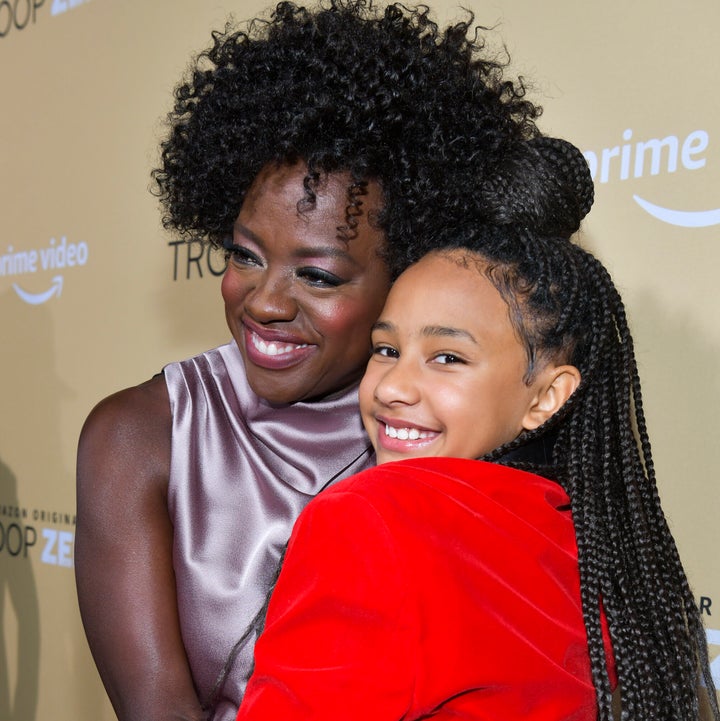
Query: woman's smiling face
(300, 300)
(446, 374)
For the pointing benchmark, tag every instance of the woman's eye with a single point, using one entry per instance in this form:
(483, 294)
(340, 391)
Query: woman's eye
(241, 256)
(319, 278)
(447, 359)
(385, 351)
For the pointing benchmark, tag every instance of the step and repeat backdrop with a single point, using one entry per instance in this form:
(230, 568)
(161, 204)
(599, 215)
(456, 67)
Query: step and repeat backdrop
(95, 296)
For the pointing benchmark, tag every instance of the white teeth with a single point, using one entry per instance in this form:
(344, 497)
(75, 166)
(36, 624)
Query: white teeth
(404, 434)
(273, 348)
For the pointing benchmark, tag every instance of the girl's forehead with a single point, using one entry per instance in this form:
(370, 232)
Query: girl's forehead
(453, 267)
(447, 288)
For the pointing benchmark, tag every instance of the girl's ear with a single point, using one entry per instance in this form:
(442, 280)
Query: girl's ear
(555, 384)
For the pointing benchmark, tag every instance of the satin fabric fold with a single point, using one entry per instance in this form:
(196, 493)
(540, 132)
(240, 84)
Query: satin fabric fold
(241, 472)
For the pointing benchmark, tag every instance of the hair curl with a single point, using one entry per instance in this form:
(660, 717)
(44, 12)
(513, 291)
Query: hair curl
(381, 93)
(570, 309)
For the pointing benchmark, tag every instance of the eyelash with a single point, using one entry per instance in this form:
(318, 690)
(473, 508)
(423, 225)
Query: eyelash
(452, 359)
(241, 255)
(385, 351)
(319, 278)
(316, 277)
(389, 352)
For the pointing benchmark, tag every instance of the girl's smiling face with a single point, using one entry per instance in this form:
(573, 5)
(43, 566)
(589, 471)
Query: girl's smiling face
(446, 374)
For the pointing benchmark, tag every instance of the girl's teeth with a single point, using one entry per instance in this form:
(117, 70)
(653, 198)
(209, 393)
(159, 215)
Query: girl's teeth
(404, 434)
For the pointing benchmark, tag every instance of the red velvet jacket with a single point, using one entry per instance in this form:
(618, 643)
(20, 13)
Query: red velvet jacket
(429, 587)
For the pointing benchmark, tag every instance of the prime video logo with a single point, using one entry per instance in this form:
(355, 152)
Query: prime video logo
(56, 256)
(655, 155)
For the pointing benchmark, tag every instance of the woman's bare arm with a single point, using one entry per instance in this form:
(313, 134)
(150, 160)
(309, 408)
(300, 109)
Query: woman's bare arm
(123, 557)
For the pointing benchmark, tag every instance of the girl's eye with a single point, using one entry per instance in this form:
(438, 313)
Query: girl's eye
(319, 278)
(241, 256)
(447, 359)
(385, 351)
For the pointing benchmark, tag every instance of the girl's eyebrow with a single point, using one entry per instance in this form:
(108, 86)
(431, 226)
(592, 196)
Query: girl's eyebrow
(429, 330)
(383, 325)
(449, 331)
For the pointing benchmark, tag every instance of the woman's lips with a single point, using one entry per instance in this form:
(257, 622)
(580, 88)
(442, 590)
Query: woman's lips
(274, 354)
(273, 348)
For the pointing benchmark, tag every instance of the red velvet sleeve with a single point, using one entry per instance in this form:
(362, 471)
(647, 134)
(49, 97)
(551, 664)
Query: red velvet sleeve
(341, 622)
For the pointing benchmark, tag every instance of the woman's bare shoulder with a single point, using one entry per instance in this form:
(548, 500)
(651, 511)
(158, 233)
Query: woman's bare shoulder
(128, 433)
(133, 404)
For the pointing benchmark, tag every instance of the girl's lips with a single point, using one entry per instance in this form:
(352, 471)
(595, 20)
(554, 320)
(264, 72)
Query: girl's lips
(402, 437)
(406, 433)
(274, 354)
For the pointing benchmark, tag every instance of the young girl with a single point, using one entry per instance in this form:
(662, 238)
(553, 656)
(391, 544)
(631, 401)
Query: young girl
(527, 587)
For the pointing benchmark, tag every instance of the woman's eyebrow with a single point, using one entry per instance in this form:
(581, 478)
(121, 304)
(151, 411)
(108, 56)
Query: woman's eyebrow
(324, 251)
(244, 230)
(317, 251)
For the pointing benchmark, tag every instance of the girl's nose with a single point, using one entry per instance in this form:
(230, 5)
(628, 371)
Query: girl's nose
(399, 385)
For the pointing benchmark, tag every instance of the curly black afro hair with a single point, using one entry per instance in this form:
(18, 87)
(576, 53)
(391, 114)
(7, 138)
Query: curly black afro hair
(381, 93)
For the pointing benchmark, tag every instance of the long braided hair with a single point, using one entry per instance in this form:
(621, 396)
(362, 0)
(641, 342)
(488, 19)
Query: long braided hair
(565, 306)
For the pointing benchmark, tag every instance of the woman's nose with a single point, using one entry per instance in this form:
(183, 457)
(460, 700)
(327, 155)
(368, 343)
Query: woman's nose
(271, 299)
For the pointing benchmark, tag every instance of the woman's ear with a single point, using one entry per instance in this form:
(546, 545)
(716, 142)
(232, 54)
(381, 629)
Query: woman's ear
(554, 384)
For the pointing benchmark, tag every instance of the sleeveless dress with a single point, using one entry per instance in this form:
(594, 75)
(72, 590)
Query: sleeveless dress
(241, 471)
(440, 588)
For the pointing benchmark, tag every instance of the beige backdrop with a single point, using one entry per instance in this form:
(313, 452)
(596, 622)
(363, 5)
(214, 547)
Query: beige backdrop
(93, 297)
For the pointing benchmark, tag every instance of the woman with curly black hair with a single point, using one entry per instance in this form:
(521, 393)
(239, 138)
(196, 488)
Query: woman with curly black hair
(526, 585)
(315, 147)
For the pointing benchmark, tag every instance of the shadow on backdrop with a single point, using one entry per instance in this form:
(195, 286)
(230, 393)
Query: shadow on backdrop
(18, 596)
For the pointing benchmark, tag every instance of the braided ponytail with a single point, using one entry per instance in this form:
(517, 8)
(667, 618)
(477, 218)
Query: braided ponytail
(565, 306)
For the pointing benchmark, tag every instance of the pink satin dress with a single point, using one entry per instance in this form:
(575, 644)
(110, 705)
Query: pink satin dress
(241, 472)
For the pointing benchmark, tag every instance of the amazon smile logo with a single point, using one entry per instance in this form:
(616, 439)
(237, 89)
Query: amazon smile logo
(655, 156)
(54, 257)
(683, 218)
